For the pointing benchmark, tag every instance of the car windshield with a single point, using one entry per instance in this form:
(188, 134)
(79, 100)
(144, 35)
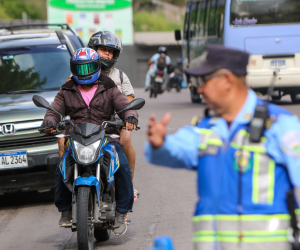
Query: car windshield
(249, 12)
(35, 68)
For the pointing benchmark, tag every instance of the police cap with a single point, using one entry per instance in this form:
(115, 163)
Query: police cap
(219, 57)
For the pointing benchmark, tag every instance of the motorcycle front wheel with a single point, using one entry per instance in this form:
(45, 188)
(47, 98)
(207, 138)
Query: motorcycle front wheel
(85, 228)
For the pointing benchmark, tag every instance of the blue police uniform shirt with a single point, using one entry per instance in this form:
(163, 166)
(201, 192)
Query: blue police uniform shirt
(181, 150)
(154, 59)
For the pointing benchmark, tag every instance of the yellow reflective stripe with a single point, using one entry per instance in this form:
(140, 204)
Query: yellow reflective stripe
(297, 211)
(247, 217)
(253, 233)
(237, 239)
(253, 217)
(271, 182)
(204, 238)
(203, 218)
(245, 233)
(202, 146)
(255, 178)
(256, 149)
(213, 141)
(205, 131)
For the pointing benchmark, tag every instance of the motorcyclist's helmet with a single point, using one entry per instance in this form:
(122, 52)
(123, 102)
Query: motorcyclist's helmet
(163, 50)
(106, 39)
(85, 65)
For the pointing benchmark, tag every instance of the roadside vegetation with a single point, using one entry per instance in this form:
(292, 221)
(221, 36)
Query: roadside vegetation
(153, 21)
(13, 9)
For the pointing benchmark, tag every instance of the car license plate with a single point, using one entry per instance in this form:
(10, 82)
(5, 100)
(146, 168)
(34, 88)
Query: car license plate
(158, 79)
(13, 160)
(278, 64)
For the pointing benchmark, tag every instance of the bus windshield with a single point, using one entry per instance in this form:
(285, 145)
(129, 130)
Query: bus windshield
(249, 12)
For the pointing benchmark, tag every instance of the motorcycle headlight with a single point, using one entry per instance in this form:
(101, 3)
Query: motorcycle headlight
(86, 154)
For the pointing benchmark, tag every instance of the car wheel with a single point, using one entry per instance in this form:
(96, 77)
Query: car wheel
(295, 97)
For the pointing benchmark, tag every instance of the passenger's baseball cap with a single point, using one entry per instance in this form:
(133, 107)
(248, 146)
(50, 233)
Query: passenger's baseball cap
(217, 57)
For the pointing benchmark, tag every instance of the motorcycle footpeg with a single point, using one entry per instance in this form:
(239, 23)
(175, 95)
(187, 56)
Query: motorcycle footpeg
(66, 225)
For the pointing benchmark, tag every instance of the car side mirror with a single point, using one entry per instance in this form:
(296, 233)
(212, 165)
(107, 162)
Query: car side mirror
(177, 35)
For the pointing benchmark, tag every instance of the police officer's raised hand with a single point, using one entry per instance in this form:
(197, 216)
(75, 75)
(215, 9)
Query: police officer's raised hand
(157, 130)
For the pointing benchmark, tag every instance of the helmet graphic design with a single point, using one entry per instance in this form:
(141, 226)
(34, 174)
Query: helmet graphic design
(85, 65)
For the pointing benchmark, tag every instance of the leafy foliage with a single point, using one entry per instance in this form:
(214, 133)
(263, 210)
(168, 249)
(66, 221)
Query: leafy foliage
(13, 9)
(151, 21)
(13, 78)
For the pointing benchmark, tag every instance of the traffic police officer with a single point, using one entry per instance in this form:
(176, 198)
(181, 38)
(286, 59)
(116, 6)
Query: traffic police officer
(242, 184)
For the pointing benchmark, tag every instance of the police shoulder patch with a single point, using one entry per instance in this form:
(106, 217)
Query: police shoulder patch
(290, 143)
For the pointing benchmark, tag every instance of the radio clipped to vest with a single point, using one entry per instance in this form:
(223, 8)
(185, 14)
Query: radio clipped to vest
(261, 113)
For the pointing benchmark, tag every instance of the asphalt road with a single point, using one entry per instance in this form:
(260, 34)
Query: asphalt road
(165, 207)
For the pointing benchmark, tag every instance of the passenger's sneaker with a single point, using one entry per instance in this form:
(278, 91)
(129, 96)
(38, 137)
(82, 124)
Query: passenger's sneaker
(120, 226)
(65, 219)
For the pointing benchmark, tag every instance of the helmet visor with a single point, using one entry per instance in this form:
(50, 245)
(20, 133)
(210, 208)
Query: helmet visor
(84, 69)
(108, 39)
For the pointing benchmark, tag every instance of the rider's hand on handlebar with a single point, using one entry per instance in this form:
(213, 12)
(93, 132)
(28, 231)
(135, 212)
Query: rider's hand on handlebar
(48, 127)
(157, 130)
(130, 126)
(49, 131)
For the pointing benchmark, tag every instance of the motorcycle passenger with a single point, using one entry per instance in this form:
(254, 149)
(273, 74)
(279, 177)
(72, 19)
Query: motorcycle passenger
(157, 57)
(109, 46)
(91, 97)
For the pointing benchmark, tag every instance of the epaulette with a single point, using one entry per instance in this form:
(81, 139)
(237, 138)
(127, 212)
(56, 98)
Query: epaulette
(195, 120)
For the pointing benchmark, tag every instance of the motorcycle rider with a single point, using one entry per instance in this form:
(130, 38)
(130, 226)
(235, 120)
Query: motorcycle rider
(162, 52)
(109, 46)
(93, 97)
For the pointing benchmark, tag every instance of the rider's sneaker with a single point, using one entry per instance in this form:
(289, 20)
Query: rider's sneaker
(120, 226)
(146, 89)
(65, 219)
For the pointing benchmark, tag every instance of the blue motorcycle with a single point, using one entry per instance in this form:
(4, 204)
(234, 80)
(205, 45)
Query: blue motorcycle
(88, 167)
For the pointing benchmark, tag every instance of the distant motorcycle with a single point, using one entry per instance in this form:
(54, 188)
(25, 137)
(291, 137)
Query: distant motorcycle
(88, 167)
(175, 80)
(157, 82)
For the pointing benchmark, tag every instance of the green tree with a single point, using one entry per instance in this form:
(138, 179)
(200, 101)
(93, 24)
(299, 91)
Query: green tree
(12, 78)
(13, 9)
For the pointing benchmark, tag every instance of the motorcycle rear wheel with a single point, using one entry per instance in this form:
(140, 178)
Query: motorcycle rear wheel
(101, 234)
(85, 229)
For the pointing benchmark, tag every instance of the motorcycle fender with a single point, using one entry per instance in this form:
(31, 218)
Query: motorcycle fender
(114, 159)
(84, 181)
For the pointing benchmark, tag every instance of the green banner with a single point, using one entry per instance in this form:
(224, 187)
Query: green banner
(94, 5)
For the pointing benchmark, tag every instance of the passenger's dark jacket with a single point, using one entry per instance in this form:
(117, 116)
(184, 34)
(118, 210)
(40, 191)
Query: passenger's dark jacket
(106, 100)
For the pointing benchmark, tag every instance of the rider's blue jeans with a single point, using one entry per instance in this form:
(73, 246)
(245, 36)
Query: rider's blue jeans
(123, 184)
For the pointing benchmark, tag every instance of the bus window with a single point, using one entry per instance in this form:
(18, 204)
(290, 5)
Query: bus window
(203, 17)
(215, 18)
(264, 12)
(186, 21)
(194, 14)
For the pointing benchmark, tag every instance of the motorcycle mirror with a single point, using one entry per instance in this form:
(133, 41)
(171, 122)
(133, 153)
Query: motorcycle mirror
(40, 102)
(135, 104)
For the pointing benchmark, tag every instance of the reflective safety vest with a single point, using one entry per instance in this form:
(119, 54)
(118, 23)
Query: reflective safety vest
(242, 193)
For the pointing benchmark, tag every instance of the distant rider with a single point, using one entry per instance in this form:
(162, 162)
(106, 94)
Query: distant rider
(91, 97)
(157, 57)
